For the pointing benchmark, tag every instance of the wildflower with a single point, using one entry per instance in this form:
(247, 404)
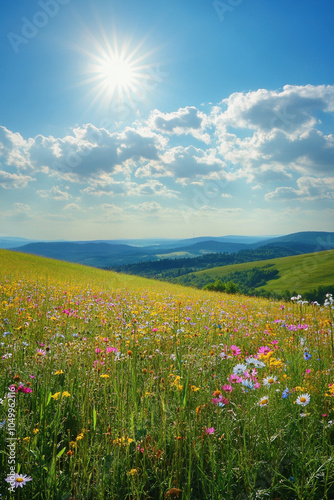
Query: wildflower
(307, 356)
(264, 401)
(235, 350)
(254, 363)
(35, 431)
(235, 379)
(227, 388)
(79, 436)
(194, 388)
(285, 393)
(248, 384)
(112, 349)
(239, 368)
(105, 375)
(132, 472)
(65, 394)
(56, 395)
(129, 353)
(59, 372)
(40, 352)
(303, 399)
(19, 480)
(209, 430)
(269, 381)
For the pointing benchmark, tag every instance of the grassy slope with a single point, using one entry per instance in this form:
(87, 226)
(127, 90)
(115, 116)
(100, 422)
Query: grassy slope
(298, 273)
(40, 269)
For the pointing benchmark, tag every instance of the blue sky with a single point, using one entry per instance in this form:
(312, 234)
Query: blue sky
(133, 119)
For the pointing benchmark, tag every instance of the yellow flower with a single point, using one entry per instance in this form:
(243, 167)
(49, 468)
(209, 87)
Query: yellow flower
(56, 395)
(65, 394)
(194, 388)
(79, 436)
(35, 431)
(59, 372)
(105, 376)
(26, 439)
(132, 472)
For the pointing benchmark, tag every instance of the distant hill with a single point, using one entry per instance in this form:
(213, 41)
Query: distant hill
(90, 254)
(303, 242)
(113, 253)
(299, 273)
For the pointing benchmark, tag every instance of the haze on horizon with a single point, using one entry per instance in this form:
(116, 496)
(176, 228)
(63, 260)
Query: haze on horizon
(125, 120)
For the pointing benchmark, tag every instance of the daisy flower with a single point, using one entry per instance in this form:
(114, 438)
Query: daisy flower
(303, 399)
(269, 381)
(19, 480)
(239, 368)
(254, 363)
(264, 401)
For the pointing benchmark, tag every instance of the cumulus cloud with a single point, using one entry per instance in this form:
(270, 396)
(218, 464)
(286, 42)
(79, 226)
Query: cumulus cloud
(184, 164)
(309, 189)
(291, 109)
(55, 193)
(14, 181)
(188, 120)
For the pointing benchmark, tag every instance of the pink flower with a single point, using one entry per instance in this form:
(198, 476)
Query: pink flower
(26, 390)
(257, 385)
(97, 350)
(112, 349)
(235, 350)
(227, 388)
(209, 430)
(105, 339)
(32, 376)
(264, 349)
(154, 329)
(235, 379)
(308, 370)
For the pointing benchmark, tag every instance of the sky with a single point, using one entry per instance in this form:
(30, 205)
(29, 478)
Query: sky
(145, 119)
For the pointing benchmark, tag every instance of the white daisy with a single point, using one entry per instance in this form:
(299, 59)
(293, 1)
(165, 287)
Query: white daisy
(255, 363)
(239, 368)
(18, 480)
(269, 381)
(303, 399)
(264, 401)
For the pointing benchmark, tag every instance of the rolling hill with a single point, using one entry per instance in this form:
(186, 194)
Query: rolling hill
(299, 273)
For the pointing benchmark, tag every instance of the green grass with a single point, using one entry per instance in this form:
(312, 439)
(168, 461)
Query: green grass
(127, 389)
(300, 273)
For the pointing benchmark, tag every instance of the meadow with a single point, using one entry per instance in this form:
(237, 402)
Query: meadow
(117, 387)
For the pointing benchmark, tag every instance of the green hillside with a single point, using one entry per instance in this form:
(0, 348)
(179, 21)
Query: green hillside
(298, 273)
(44, 270)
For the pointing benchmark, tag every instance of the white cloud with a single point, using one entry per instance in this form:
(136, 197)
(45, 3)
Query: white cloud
(14, 181)
(309, 189)
(55, 193)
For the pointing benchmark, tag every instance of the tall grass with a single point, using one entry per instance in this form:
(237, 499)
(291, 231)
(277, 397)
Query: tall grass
(138, 392)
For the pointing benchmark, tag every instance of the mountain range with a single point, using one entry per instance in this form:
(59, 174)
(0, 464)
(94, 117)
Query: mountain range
(114, 253)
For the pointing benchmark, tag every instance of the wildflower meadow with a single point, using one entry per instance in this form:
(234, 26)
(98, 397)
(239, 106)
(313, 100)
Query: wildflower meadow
(116, 387)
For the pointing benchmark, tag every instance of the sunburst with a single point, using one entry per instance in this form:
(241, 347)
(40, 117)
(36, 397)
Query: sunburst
(118, 72)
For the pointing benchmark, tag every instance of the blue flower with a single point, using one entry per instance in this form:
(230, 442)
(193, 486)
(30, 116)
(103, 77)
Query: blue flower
(307, 356)
(285, 393)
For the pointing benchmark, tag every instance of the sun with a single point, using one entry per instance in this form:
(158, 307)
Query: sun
(118, 71)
